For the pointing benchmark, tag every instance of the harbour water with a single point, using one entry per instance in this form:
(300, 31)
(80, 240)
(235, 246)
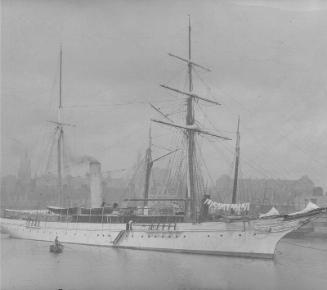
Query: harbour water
(25, 264)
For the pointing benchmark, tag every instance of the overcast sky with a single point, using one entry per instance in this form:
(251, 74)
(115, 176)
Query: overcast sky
(268, 61)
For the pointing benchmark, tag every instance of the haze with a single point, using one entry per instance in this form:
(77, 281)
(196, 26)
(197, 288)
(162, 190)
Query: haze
(268, 61)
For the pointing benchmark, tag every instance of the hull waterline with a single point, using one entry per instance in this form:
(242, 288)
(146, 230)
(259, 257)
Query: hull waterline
(255, 239)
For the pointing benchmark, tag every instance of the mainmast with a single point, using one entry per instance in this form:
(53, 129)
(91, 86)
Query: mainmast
(190, 128)
(191, 210)
(61, 134)
(237, 160)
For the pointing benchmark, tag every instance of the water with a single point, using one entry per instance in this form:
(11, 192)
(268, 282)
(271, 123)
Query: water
(29, 265)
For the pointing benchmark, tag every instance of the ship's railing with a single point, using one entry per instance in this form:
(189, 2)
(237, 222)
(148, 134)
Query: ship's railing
(157, 226)
(32, 223)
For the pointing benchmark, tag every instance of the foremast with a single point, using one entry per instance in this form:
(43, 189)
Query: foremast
(60, 131)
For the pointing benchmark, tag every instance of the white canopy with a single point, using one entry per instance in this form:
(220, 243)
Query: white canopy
(273, 211)
(238, 208)
(310, 206)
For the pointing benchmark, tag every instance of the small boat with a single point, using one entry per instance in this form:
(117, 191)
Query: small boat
(56, 248)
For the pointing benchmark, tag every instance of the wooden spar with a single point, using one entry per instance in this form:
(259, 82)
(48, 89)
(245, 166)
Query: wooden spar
(165, 155)
(60, 80)
(155, 199)
(189, 56)
(187, 61)
(160, 112)
(61, 124)
(195, 129)
(237, 159)
(60, 136)
(191, 208)
(195, 96)
(149, 164)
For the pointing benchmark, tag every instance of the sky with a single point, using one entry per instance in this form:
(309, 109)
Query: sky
(268, 62)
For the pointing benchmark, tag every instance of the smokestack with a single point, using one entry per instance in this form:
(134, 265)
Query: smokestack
(96, 184)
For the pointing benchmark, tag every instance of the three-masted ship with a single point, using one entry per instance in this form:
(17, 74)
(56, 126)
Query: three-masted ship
(190, 232)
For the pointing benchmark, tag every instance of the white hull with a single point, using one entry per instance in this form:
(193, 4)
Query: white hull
(257, 238)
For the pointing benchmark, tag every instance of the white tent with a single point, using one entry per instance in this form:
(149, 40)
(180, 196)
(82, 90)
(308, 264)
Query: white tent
(310, 206)
(273, 211)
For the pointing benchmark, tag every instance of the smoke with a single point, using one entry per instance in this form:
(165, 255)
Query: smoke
(78, 160)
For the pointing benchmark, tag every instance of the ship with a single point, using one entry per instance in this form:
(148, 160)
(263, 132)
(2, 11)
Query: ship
(196, 229)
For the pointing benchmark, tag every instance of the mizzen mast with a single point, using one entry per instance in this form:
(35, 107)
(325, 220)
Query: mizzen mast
(237, 160)
(149, 164)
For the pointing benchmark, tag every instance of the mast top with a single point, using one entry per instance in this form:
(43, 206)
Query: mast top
(189, 37)
(60, 78)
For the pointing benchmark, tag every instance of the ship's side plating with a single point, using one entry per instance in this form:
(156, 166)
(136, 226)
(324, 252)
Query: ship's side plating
(257, 238)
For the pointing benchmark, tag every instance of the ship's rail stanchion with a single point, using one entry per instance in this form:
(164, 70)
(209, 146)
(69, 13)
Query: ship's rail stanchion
(162, 227)
(32, 222)
(77, 221)
(66, 220)
(102, 218)
(46, 221)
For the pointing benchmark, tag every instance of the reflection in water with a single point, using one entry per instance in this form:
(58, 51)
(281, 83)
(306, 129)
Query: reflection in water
(29, 265)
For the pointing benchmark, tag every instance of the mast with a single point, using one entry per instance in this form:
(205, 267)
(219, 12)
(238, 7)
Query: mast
(61, 133)
(237, 160)
(191, 210)
(190, 129)
(149, 164)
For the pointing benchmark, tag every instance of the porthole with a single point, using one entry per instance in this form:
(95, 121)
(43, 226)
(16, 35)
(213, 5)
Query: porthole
(141, 236)
(239, 235)
(184, 236)
(208, 236)
(221, 235)
(254, 234)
